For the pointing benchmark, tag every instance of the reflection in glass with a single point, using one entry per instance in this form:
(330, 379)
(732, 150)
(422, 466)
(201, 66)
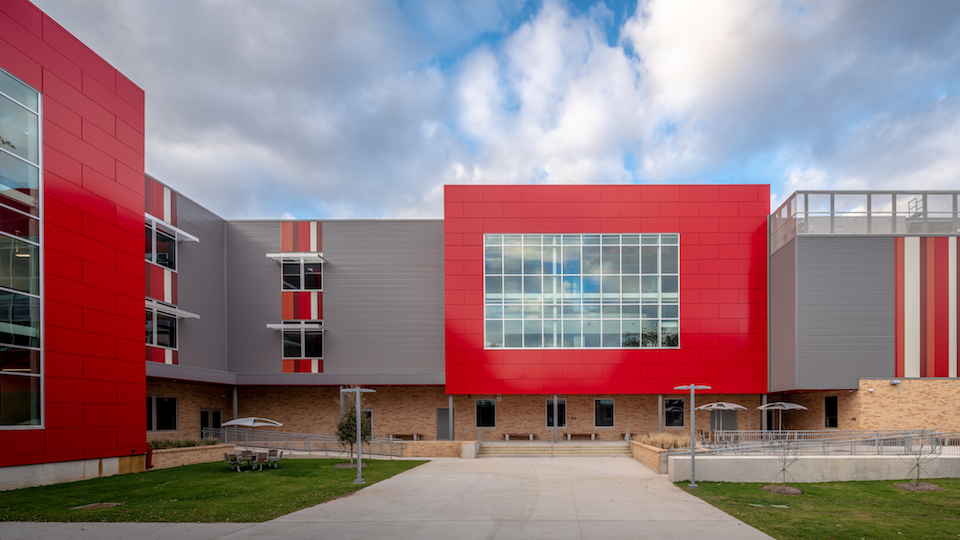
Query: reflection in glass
(291, 344)
(166, 251)
(19, 319)
(18, 131)
(494, 334)
(15, 360)
(19, 225)
(313, 276)
(19, 265)
(603, 412)
(149, 327)
(19, 400)
(596, 285)
(312, 344)
(166, 330)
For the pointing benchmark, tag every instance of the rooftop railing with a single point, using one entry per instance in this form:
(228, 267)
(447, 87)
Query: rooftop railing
(916, 213)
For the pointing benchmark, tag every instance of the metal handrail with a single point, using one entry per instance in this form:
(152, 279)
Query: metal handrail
(831, 442)
(301, 442)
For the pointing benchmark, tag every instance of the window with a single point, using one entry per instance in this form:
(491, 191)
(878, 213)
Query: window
(486, 413)
(161, 329)
(303, 276)
(368, 418)
(561, 413)
(160, 246)
(830, 412)
(20, 300)
(303, 342)
(581, 290)
(673, 412)
(161, 413)
(603, 413)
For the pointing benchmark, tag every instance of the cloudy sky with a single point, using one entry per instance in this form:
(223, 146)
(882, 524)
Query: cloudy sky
(366, 108)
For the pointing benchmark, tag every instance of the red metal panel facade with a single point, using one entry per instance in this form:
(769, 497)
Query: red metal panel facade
(93, 146)
(723, 295)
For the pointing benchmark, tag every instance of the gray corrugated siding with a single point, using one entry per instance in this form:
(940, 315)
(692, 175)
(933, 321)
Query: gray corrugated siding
(253, 297)
(383, 297)
(783, 318)
(200, 286)
(845, 323)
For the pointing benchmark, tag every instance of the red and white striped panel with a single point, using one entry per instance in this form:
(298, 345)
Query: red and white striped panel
(160, 201)
(301, 236)
(926, 306)
(161, 283)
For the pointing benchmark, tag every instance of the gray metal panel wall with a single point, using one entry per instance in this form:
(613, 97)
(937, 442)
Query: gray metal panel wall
(383, 297)
(783, 318)
(845, 318)
(253, 297)
(201, 288)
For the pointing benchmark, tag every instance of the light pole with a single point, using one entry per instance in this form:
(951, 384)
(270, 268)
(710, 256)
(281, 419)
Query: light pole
(358, 391)
(693, 441)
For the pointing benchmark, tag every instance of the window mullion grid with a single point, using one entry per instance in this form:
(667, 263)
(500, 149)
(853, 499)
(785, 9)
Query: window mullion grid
(27, 107)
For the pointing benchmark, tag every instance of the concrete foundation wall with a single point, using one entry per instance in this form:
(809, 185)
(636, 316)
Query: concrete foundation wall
(809, 468)
(44, 474)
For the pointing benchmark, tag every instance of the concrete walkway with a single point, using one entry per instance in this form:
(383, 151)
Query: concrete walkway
(482, 499)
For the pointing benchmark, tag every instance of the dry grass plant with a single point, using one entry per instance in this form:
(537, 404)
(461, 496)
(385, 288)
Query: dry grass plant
(665, 440)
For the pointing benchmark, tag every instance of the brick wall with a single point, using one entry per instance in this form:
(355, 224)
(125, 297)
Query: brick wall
(191, 397)
(634, 413)
(175, 457)
(912, 404)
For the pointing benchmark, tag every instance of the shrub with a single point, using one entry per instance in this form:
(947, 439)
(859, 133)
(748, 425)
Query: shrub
(665, 440)
(181, 443)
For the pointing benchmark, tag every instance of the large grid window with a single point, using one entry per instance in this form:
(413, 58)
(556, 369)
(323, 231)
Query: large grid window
(20, 252)
(582, 290)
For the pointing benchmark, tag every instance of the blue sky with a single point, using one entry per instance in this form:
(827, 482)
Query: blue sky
(366, 108)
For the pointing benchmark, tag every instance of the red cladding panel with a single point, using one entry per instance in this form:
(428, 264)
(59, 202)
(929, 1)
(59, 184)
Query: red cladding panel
(83, 99)
(723, 307)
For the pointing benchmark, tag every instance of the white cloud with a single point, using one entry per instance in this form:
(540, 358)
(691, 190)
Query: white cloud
(364, 108)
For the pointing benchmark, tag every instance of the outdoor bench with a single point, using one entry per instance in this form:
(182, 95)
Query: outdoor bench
(407, 437)
(590, 436)
(528, 436)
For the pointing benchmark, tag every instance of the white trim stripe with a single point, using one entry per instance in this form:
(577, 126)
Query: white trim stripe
(168, 356)
(911, 306)
(313, 236)
(314, 305)
(952, 291)
(167, 210)
(167, 286)
(314, 366)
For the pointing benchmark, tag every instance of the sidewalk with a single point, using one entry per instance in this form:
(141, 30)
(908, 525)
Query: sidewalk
(482, 499)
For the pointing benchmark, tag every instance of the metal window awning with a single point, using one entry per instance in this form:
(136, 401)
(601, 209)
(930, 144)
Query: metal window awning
(182, 236)
(297, 257)
(297, 326)
(171, 310)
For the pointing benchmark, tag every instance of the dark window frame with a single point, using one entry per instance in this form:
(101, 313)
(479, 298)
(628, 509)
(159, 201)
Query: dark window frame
(667, 413)
(487, 403)
(153, 424)
(599, 403)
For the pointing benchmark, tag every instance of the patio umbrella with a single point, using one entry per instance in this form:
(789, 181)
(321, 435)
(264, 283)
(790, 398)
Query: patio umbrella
(781, 406)
(721, 406)
(252, 421)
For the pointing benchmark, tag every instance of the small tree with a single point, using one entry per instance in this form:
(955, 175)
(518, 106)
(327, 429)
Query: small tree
(787, 453)
(920, 449)
(347, 428)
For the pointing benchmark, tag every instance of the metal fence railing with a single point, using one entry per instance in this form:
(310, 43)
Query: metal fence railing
(301, 442)
(827, 442)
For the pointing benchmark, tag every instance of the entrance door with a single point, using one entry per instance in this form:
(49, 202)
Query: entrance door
(210, 419)
(443, 425)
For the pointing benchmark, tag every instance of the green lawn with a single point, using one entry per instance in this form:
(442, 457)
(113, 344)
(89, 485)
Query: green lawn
(208, 492)
(841, 510)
